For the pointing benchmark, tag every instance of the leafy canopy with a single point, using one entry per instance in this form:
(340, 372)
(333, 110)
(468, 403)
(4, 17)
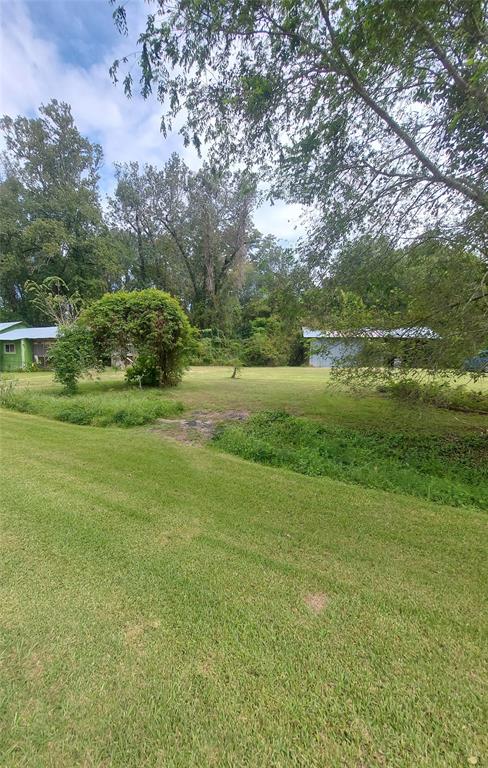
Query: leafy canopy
(50, 213)
(375, 110)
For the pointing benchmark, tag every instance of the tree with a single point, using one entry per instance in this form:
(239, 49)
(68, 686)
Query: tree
(428, 285)
(52, 299)
(51, 218)
(48, 153)
(134, 210)
(374, 110)
(72, 355)
(190, 231)
(150, 322)
(271, 304)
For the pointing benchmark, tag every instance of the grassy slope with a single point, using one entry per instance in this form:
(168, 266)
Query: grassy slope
(451, 471)
(153, 606)
(305, 391)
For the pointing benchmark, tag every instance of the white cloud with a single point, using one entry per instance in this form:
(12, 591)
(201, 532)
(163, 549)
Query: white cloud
(283, 220)
(32, 71)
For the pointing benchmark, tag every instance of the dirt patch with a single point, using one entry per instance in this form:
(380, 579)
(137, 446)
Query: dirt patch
(199, 426)
(316, 601)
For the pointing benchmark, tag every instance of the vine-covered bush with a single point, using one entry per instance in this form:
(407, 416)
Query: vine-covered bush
(150, 323)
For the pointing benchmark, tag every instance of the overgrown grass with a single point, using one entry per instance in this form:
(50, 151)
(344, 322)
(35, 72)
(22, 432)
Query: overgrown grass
(122, 409)
(440, 394)
(453, 471)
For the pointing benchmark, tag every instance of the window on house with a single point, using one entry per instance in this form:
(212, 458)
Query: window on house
(9, 347)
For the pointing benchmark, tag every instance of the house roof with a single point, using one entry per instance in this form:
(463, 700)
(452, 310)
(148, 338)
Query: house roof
(373, 333)
(15, 334)
(4, 326)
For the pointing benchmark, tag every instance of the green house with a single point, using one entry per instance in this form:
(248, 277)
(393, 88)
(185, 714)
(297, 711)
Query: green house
(21, 346)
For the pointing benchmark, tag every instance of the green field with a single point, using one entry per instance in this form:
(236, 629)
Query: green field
(304, 391)
(166, 604)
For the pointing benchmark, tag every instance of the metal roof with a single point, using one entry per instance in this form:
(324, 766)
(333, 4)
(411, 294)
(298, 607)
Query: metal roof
(49, 332)
(373, 333)
(4, 326)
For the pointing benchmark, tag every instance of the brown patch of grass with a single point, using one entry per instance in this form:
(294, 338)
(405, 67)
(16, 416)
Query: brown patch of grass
(134, 633)
(34, 666)
(316, 601)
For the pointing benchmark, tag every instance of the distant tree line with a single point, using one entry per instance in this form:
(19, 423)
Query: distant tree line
(188, 233)
(192, 235)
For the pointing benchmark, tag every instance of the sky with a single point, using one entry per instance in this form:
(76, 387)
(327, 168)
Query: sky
(63, 49)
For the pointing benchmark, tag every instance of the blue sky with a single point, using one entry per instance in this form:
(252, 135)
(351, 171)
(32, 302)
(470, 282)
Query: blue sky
(63, 49)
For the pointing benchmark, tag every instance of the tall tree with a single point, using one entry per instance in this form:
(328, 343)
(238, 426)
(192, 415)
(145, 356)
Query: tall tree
(51, 219)
(190, 231)
(375, 110)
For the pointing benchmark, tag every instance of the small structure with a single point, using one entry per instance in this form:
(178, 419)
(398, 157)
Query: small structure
(327, 348)
(21, 346)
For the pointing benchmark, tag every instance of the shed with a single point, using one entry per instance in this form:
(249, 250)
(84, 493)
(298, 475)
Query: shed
(328, 347)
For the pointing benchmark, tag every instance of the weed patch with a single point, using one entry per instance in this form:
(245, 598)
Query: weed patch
(440, 394)
(130, 409)
(451, 470)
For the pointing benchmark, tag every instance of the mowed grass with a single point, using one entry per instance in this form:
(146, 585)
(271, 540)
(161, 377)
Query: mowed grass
(302, 391)
(166, 605)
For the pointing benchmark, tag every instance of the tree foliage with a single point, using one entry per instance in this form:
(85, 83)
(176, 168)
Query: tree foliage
(374, 110)
(49, 209)
(191, 231)
(52, 299)
(428, 285)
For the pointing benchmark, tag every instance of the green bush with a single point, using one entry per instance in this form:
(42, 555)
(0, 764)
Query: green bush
(451, 471)
(214, 348)
(151, 322)
(71, 355)
(262, 349)
(440, 394)
(129, 409)
(144, 372)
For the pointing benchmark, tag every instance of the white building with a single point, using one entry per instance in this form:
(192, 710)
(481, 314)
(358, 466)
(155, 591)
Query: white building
(330, 347)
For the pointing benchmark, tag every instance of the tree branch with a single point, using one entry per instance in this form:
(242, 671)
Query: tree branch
(473, 193)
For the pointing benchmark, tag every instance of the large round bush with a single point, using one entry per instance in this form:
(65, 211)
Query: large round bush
(149, 323)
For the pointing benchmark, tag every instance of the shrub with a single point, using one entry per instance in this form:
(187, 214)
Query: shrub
(144, 372)
(261, 349)
(214, 348)
(439, 394)
(71, 355)
(151, 322)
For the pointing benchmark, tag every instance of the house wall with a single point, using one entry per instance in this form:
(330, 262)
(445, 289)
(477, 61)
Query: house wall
(324, 353)
(27, 356)
(15, 361)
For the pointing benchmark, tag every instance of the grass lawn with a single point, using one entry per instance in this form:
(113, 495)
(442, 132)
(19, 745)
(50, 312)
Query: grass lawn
(303, 391)
(174, 606)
